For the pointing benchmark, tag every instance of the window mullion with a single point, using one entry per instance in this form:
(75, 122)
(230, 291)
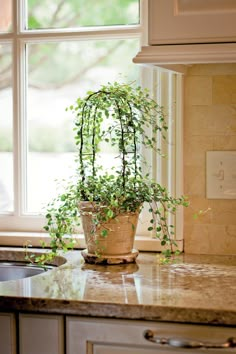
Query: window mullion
(82, 34)
(19, 121)
(171, 145)
(160, 93)
(171, 141)
(22, 119)
(179, 155)
(15, 82)
(144, 21)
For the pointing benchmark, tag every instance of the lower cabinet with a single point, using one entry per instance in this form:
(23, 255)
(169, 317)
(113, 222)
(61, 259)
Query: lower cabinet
(7, 333)
(41, 334)
(26, 333)
(107, 336)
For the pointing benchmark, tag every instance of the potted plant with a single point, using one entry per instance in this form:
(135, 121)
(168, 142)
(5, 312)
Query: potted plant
(107, 201)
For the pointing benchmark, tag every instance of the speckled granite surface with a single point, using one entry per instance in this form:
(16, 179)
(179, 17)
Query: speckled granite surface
(195, 289)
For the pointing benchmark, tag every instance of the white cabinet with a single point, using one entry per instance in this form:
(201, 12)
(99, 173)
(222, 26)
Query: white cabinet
(41, 334)
(192, 21)
(45, 334)
(108, 336)
(7, 333)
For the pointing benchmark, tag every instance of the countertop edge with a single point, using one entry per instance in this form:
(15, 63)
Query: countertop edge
(119, 311)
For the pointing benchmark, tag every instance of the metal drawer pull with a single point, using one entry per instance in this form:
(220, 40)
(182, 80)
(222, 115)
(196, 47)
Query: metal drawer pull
(185, 343)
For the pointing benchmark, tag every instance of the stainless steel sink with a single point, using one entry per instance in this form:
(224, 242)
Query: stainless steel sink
(13, 264)
(18, 270)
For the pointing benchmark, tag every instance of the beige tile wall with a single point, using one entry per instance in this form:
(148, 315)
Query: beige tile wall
(209, 124)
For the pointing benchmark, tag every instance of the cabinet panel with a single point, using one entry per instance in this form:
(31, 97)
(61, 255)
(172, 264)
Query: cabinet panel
(191, 21)
(7, 333)
(90, 336)
(111, 349)
(41, 334)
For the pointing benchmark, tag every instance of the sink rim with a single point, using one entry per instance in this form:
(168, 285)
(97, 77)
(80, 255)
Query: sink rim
(14, 266)
(22, 264)
(18, 255)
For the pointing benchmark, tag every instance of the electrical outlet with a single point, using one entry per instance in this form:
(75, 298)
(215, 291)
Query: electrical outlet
(221, 174)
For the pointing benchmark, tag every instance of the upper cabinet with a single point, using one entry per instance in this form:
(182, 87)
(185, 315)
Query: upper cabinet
(189, 32)
(191, 21)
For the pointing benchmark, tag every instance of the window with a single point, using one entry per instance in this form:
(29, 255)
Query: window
(50, 53)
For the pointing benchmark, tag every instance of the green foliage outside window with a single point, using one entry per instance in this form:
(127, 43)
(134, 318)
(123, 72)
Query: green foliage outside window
(79, 13)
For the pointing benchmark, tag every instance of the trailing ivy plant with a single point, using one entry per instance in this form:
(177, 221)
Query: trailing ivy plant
(130, 121)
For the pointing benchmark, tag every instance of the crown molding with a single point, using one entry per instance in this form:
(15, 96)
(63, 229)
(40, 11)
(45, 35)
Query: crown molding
(187, 54)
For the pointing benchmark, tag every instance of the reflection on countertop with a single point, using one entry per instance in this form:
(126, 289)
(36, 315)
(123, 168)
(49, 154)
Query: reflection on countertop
(195, 288)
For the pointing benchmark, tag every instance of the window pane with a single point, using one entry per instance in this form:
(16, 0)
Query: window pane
(6, 155)
(79, 13)
(5, 15)
(58, 74)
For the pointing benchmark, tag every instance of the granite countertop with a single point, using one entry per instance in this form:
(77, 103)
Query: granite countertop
(194, 289)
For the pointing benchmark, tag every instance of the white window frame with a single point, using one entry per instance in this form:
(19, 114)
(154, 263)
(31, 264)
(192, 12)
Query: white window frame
(18, 229)
(166, 85)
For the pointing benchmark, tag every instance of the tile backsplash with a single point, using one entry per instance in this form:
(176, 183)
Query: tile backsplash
(209, 125)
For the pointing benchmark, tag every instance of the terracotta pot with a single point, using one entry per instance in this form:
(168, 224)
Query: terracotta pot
(121, 232)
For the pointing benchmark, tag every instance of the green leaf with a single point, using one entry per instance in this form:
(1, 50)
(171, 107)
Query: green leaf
(104, 233)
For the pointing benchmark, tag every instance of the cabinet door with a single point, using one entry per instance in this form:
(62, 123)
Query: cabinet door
(191, 21)
(100, 336)
(7, 333)
(41, 334)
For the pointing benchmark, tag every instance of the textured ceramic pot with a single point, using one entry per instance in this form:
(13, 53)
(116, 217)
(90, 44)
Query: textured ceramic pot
(119, 241)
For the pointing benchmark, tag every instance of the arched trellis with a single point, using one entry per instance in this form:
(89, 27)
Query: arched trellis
(115, 107)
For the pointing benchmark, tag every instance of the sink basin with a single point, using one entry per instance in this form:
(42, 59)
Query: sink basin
(19, 270)
(13, 265)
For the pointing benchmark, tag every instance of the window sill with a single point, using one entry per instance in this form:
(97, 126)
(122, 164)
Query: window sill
(22, 239)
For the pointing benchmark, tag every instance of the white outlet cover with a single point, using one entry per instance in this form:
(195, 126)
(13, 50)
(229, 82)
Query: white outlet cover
(221, 174)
